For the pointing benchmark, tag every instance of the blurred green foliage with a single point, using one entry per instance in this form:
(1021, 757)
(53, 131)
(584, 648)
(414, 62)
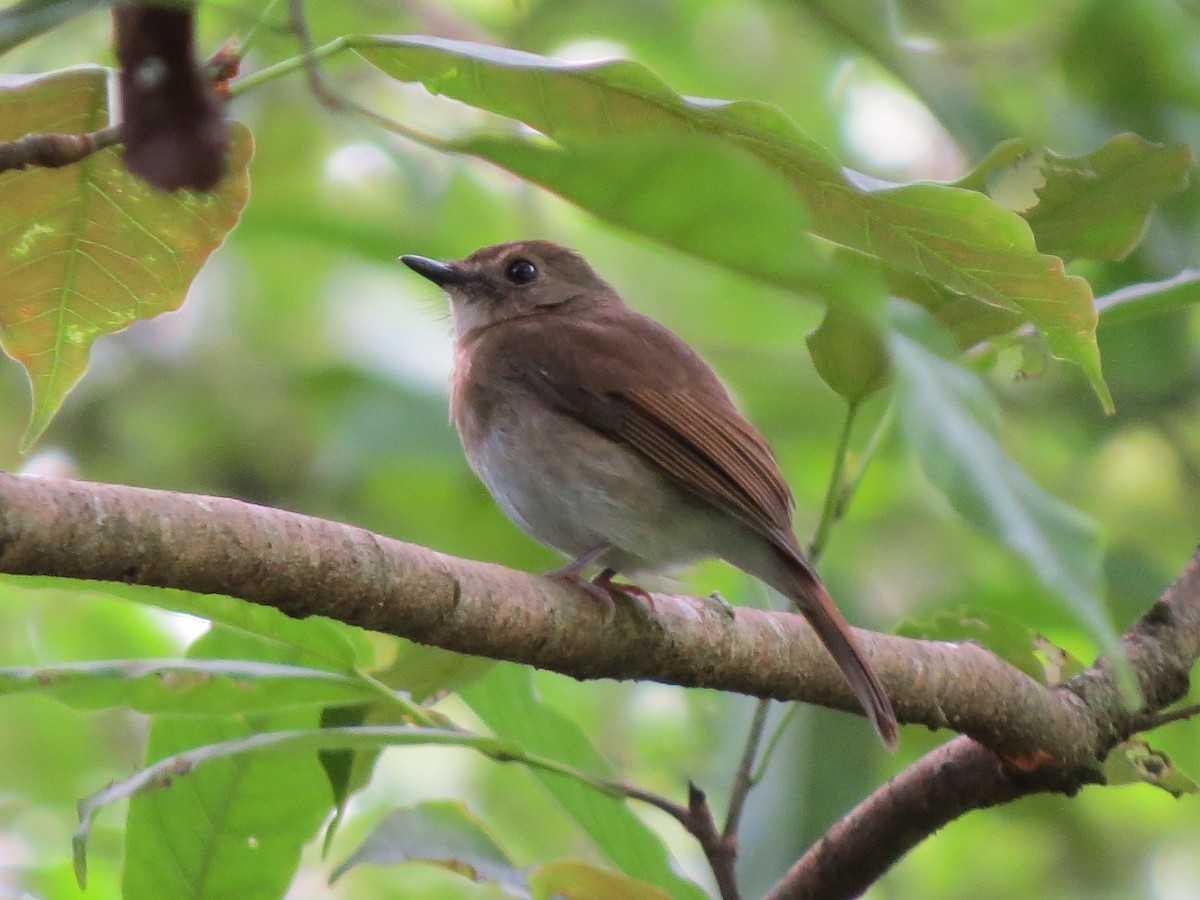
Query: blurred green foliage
(307, 370)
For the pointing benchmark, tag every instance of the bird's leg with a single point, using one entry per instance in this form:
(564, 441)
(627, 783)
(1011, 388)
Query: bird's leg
(571, 575)
(572, 570)
(605, 582)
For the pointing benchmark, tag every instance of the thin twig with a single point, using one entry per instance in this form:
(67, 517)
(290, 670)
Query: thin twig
(835, 499)
(53, 150)
(882, 429)
(697, 820)
(310, 58)
(765, 759)
(313, 73)
(1150, 721)
(260, 25)
(721, 850)
(743, 781)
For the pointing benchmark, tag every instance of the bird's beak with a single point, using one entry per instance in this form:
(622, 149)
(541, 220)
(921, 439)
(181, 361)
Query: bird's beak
(439, 273)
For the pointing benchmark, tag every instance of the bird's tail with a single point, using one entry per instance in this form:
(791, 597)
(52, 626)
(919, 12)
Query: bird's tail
(817, 606)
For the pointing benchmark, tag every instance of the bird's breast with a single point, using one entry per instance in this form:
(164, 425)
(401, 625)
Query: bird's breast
(571, 488)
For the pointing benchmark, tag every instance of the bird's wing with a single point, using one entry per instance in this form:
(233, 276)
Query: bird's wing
(676, 414)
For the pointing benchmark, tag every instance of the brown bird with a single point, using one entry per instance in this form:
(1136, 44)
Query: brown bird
(604, 436)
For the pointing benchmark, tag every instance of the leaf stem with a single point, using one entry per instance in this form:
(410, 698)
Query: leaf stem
(744, 780)
(882, 429)
(291, 64)
(252, 34)
(773, 742)
(836, 498)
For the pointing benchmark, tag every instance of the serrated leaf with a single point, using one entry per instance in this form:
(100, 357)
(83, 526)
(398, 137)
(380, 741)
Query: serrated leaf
(574, 879)
(186, 687)
(1134, 761)
(443, 833)
(1094, 206)
(87, 249)
(506, 701)
(942, 406)
(959, 239)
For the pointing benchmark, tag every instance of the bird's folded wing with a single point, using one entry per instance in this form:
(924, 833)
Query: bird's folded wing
(703, 443)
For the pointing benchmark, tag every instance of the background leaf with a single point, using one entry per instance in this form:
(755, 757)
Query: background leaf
(506, 701)
(941, 408)
(959, 239)
(234, 827)
(577, 880)
(1094, 206)
(196, 687)
(442, 833)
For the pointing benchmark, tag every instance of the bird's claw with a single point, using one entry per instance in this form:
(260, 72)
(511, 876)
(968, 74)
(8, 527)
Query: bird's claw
(725, 607)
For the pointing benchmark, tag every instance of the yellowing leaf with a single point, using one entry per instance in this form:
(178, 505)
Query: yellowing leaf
(574, 879)
(87, 249)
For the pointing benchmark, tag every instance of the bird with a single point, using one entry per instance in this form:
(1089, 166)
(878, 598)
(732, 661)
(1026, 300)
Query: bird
(602, 435)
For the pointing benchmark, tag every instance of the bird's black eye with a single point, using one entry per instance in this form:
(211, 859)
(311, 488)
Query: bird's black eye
(521, 271)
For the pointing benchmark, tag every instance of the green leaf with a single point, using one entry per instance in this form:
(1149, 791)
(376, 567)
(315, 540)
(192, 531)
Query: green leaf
(314, 641)
(574, 879)
(245, 748)
(690, 191)
(1150, 298)
(1134, 761)
(848, 354)
(346, 771)
(26, 19)
(959, 239)
(191, 687)
(943, 407)
(427, 673)
(443, 833)
(507, 703)
(424, 673)
(87, 249)
(234, 828)
(1094, 206)
(1009, 639)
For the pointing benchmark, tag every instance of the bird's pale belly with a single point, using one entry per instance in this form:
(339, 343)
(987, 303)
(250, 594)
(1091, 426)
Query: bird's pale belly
(586, 490)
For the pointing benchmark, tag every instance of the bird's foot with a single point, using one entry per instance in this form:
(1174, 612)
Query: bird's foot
(571, 575)
(596, 592)
(724, 606)
(601, 588)
(622, 590)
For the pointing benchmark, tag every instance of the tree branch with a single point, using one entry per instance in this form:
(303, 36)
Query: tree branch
(1019, 737)
(962, 775)
(306, 566)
